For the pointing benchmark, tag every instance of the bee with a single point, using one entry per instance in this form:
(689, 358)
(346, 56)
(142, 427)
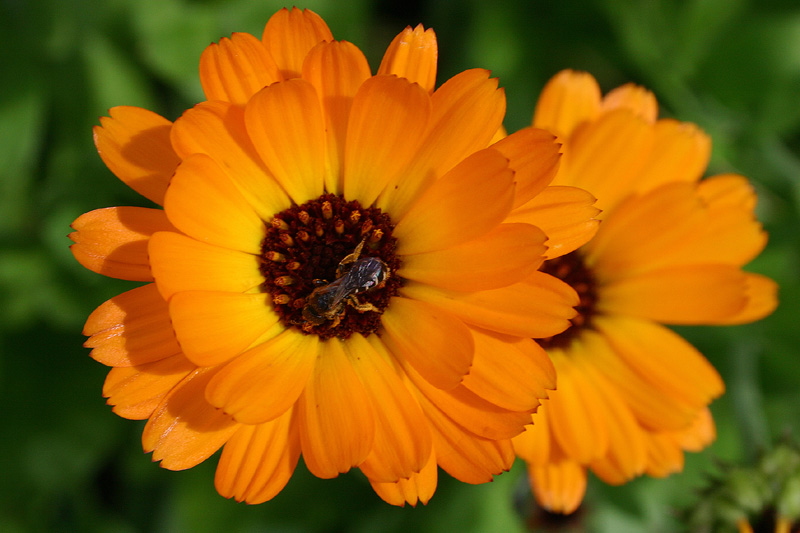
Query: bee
(354, 276)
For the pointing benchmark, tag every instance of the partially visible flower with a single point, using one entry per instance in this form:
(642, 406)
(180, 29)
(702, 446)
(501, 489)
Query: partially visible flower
(333, 273)
(633, 395)
(761, 498)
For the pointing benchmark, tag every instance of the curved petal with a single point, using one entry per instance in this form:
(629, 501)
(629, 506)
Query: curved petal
(417, 488)
(113, 241)
(567, 100)
(699, 294)
(509, 372)
(469, 411)
(664, 456)
(335, 417)
(699, 434)
(728, 190)
(387, 125)
(134, 144)
(576, 411)
(663, 357)
(762, 300)
(133, 328)
(403, 441)
(567, 215)
(634, 98)
(136, 391)
(465, 203)
(503, 256)
(181, 263)
(258, 461)
(681, 153)
(605, 156)
(437, 344)
(236, 69)
(462, 454)
(534, 156)
(214, 327)
(286, 125)
(656, 408)
(466, 112)
(290, 34)
(203, 203)
(218, 130)
(558, 487)
(538, 307)
(336, 70)
(413, 55)
(185, 429)
(535, 445)
(265, 381)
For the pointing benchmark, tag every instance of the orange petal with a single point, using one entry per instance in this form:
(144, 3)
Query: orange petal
(575, 411)
(335, 416)
(213, 327)
(181, 263)
(236, 69)
(534, 444)
(403, 441)
(558, 487)
(287, 127)
(682, 153)
(387, 125)
(534, 157)
(567, 215)
(762, 300)
(336, 70)
(258, 461)
(290, 35)
(509, 372)
(656, 408)
(462, 454)
(437, 344)
(468, 103)
(699, 294)
(413, 55)
(568, 99)
(136, 391)
(699, 434)
(113, 241)
(417, 488)
(471, 412)
(634, 98)
(626, 456)
(663, 357)
(664, 456)
(218, 130)
(728, 190)
(133, 328)
(265, 381)
(537, 307)
(185, 429)
(503, 256)
(648, 231)
(134, 145)
(203, 203)
(605, 156)
(465, 203)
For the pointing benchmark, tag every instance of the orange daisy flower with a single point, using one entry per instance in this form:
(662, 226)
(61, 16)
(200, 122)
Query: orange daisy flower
(333, 272)
(632, 395)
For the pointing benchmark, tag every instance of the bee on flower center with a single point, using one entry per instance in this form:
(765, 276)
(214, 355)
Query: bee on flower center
(354, 275)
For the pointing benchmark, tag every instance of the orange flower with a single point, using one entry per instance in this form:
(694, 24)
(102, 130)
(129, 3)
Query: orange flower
(632, 395)
(332, 273)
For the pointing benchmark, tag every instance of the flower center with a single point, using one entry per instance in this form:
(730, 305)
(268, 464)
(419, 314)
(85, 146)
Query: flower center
(572, 270)
(329, 265)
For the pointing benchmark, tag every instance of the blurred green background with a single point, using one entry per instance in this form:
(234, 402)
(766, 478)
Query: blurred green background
(69, 464)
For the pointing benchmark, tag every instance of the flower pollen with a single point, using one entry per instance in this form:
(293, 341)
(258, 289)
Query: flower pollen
(572, 270)
(306, 248)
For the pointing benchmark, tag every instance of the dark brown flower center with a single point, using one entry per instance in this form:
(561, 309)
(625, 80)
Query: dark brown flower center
(572, 270)
(329, 265)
